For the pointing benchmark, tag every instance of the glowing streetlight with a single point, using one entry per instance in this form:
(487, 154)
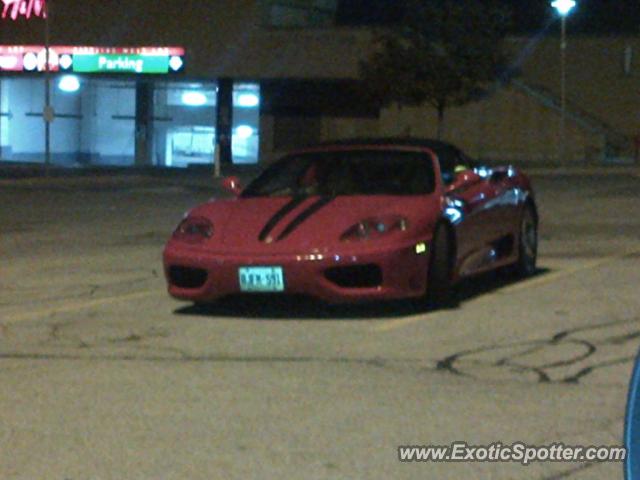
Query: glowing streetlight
(563, 7)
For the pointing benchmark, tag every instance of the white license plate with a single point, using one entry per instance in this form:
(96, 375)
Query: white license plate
(261, 279)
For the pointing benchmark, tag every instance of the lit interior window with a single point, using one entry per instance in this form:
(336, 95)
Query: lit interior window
(247, 100)
(194, 99)
(69, 83)
(244, 131)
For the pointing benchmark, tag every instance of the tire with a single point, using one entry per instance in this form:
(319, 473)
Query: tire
(439, 286)
(525, 266)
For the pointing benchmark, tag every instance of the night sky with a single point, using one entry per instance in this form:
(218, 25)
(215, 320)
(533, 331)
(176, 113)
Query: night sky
(591, 16)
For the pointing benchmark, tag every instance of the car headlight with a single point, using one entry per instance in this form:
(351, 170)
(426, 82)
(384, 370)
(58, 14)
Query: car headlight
(375, 227)
(193, 229)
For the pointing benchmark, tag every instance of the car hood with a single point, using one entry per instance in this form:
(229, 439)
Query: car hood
(285, 224)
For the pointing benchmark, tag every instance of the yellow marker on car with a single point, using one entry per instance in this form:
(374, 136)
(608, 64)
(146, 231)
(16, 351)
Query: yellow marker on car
(421, 248)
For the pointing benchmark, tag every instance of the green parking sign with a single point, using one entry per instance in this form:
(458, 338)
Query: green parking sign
(120, 63)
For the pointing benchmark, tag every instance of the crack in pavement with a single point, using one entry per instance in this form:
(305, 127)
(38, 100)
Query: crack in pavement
(183, 357)
(582, 355)
(58, 337)
(566, 357)
(578, 351)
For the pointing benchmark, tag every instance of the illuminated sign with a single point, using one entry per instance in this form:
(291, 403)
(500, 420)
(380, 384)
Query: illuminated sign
(11, 63)
(120, 63)
(23, 8)
(134, 60)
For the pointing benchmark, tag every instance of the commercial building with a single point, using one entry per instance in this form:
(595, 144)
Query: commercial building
(162, 83)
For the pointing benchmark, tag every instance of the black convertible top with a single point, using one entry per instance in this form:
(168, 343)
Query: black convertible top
(436, 145)
(448, 154)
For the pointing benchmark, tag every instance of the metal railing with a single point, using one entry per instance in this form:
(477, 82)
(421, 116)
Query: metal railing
(616, 143)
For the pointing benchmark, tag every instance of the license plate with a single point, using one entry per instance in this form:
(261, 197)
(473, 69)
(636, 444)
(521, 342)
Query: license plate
(261, 279)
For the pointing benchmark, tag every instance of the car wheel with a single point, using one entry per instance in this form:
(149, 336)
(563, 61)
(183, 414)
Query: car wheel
(439, 288)
(528, 244)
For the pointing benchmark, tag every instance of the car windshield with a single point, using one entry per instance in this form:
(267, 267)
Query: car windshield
(352, 172)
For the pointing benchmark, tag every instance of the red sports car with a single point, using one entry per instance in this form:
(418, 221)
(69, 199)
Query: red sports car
(357, 220)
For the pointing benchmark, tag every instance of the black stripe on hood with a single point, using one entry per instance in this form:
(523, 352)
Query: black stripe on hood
(304, 215)
(279, 215)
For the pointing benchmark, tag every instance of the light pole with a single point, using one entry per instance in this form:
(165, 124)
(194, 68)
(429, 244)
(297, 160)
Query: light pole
(563, 7)
(47, 113)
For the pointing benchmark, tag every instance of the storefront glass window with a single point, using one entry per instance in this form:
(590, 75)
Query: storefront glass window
(107, 133)
(22, 128)
(246, 123)
(184, 119)
(95, 121)
(93, 125)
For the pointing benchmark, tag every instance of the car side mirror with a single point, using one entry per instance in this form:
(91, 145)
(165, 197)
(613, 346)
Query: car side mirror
(232, 185)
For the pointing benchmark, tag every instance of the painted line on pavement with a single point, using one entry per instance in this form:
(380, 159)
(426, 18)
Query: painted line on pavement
(524, 285)
(77, 306)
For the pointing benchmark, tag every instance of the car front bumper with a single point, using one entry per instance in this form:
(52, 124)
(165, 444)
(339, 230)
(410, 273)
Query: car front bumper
(401, 271)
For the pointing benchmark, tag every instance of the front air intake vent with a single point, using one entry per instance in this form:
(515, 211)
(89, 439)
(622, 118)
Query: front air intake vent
(186, 277)
(355, 276)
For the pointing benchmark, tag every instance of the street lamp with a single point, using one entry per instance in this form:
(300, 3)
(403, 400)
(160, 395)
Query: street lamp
(563, 7)
(47, 113)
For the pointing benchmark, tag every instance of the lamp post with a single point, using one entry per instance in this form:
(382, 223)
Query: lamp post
(563, 7)
(47, 114)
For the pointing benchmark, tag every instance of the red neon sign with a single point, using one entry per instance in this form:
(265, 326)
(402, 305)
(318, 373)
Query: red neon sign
(24, 8)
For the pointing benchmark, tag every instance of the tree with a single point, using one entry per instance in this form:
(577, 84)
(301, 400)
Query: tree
(444, 53)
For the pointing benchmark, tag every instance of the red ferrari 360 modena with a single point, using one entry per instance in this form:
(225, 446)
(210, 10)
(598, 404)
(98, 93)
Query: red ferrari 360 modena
(357, 220)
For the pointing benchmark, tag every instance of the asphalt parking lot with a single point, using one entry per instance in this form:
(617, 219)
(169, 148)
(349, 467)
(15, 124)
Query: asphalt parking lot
(104, 376)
